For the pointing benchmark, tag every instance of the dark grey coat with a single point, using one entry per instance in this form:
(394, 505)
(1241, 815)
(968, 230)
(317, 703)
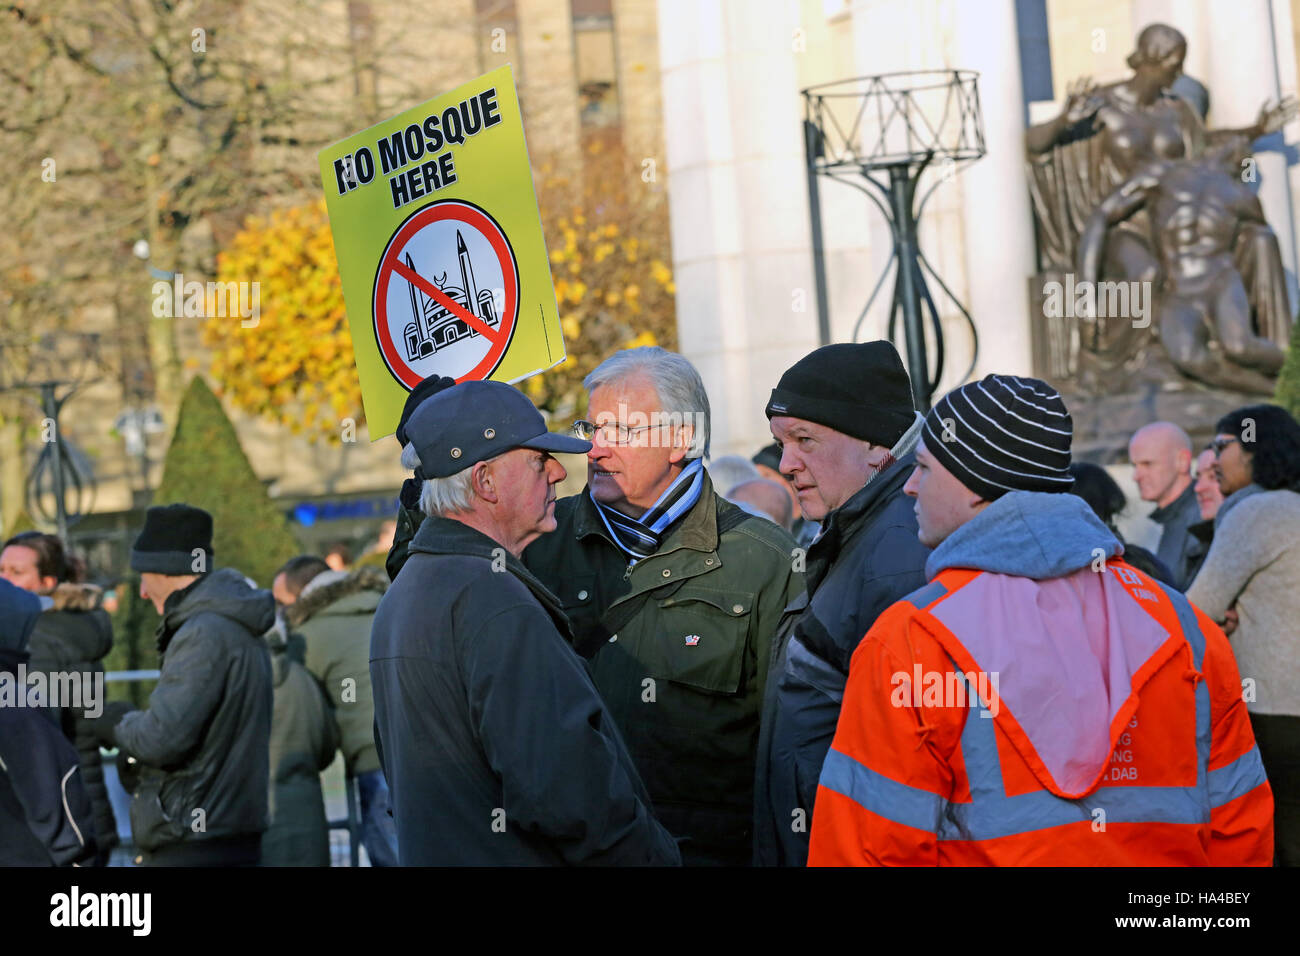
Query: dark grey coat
(1179, 549)
(496, 746)
(204, 739)
(867, 557)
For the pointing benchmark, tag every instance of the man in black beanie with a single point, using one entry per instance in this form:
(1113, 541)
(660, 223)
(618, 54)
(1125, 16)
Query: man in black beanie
(844, 419)
(409, 515)
(1040, 701)
(203, 741)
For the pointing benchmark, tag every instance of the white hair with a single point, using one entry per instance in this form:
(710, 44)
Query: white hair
(441, 496)
(676, 382)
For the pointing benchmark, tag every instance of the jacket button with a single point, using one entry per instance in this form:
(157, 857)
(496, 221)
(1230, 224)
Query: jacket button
(709, 562)
(737, 608)
(667, 572)
(582, 595)
(613, 638)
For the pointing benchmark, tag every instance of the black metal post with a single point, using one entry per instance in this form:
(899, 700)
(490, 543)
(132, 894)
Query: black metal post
(901, 188)
(811, 136)
(51, 406)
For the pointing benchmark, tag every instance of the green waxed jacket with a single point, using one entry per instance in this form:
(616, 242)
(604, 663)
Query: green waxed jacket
(679, 646)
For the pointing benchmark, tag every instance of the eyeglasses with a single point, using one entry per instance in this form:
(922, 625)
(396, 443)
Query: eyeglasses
(1219, 444)
(611, 433)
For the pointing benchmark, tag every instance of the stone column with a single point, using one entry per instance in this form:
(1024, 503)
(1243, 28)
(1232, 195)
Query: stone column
(998, 223)
(738, 204)
(548, 85)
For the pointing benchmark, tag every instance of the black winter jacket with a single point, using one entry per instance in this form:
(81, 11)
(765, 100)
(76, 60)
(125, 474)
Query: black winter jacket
(495, 743)
(204, 739)
(45, 814)
(74, 635)
(867, 557)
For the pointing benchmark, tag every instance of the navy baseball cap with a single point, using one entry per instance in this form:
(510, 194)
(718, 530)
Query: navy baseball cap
(474, 421)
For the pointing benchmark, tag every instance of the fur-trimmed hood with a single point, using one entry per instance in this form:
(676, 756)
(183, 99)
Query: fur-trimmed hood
(74, 631)
(76, 597)
(314, 600)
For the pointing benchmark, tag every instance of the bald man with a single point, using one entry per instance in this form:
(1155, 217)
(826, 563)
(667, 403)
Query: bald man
(1162, 467)
(766, 496)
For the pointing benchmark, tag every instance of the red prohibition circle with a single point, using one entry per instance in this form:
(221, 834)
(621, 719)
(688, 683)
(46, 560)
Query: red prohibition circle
(488, 227)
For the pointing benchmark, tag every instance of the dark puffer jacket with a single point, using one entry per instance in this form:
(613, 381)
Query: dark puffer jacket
(74, 635)
(867, 557)
(204, 741)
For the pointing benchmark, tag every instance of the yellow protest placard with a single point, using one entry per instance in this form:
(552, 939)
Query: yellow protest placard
(440, 247)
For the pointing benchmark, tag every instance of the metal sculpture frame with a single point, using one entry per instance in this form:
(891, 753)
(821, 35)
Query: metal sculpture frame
(893, 133)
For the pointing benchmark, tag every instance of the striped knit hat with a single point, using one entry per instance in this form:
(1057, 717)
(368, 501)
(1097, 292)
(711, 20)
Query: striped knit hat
(1002, 434)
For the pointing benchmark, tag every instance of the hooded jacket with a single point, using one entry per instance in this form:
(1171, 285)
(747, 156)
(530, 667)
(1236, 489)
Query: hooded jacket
(1040, 702)
(45, 814)
(334, 616)
(204, 739)
(304, 737)
(74, 635)
(494, 742)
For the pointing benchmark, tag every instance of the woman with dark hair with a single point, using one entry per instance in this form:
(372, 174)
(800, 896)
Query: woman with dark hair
(1094, 485)
(1254, 567)
(72, 635)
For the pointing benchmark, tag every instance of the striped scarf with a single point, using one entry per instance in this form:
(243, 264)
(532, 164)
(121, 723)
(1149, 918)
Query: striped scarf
(640, 537)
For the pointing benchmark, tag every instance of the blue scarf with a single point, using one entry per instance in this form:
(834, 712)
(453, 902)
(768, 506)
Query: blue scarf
(640, 537)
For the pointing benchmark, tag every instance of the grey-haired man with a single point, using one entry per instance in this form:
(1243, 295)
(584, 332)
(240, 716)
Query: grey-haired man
(496, 746)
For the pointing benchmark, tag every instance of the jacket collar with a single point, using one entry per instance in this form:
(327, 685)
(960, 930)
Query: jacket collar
(437, 535)
(1172, 510)
(1234, 499)
(697, 529)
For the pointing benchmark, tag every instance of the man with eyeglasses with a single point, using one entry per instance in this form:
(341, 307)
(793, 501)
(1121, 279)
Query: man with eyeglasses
(674, 595)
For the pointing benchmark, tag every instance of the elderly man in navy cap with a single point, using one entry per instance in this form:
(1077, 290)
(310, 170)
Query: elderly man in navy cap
(495, 743)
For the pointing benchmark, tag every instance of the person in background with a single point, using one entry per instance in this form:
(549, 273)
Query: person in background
(377, 554)
(409, 515)
(1030, 705)
(1208, 499)
(728, 471)
(1253, 566)
(766, 498)
(1162, 467)
(72, 635)
(768, 462)
(203, 741)
(847, 427)
(338, 556)
(1104, 496)
(304, 737)
(46, 817)
(332, 612)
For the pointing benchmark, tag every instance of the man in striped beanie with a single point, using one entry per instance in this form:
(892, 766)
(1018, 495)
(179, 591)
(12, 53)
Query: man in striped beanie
(1039, 701)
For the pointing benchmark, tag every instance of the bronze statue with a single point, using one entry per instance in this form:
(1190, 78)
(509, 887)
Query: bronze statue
(1102, 139)
(1197, 209)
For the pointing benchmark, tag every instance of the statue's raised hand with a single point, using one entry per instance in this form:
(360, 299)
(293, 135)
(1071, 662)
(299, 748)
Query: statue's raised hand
(1273, 118)
(1081, 101)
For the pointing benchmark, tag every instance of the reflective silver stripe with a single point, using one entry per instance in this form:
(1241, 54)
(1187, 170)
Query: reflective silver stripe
(992, 814)
(886, 798)
(813, 671)
(1236, 779)
(926, 594)
(67, 811)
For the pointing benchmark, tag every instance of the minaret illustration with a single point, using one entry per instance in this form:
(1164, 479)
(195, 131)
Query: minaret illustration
(434, 326)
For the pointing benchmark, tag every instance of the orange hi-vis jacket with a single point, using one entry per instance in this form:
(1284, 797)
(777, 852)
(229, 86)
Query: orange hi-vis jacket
(1092, 717)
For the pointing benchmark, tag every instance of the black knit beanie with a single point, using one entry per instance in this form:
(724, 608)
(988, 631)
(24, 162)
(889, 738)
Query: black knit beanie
(171, 535)
(860, 389)
(1002, 433)
(429, 386)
